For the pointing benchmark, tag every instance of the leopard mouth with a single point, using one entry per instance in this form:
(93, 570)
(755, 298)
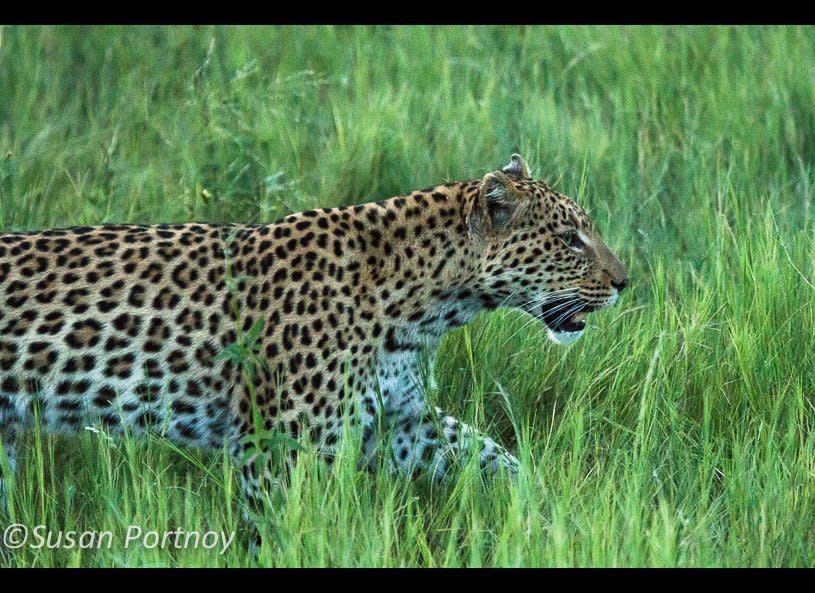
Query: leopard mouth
(565, 315)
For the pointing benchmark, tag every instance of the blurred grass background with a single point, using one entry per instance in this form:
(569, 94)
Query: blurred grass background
(677, 432)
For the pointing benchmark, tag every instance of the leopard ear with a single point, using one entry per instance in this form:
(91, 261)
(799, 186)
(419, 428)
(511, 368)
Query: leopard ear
(517, 167)
(495, 204)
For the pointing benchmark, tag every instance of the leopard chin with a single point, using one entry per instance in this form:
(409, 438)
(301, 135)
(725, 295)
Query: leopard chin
(565, 330)
(568, 330)
(564, 338)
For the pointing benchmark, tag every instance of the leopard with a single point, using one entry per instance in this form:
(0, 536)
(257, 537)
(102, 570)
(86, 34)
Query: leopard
(134, 328)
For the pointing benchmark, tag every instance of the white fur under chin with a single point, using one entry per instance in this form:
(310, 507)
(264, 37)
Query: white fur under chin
(564, 338)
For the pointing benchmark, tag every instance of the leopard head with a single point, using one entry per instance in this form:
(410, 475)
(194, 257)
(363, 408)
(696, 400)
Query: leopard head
(540, 252)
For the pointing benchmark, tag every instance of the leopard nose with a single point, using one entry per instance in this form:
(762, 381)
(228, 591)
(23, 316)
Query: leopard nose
(620, 284)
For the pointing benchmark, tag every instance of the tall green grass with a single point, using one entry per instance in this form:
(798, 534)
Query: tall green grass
(677, 432)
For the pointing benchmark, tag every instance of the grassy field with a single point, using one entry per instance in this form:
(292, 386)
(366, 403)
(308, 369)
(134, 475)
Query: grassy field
(677, 432)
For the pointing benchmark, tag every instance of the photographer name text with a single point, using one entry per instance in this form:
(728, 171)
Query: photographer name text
(42, 537)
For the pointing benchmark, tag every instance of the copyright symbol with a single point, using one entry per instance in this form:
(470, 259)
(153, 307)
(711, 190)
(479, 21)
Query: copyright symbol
(15, 536)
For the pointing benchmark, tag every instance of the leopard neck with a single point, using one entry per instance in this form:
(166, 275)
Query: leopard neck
(416, 256)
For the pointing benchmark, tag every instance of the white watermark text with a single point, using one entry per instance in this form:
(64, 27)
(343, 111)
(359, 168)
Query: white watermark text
(18, 536)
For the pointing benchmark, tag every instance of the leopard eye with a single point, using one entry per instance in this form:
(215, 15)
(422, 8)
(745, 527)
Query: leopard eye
(572, 240)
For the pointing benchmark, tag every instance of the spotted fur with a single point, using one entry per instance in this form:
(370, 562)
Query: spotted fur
(123, 326)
